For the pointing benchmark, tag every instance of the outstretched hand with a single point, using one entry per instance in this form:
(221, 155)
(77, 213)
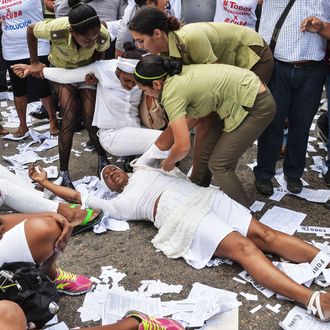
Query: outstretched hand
(311, 24)
(21, 70)
(37, 173)
(66, 227)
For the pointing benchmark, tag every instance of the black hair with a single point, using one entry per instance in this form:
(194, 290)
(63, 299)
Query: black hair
(152, 67)
(132, 52)
(141, 3)
(82, 17)
(147, 19)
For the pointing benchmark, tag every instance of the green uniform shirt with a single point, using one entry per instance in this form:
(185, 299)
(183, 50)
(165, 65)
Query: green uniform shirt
(64, 52)
(199, 43)
(200, 89)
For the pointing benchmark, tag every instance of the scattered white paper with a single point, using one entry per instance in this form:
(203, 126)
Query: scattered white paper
(275, 309)
(239, 280)
(266, 292)
(255, 309)
(319, 263)
(120, 302)
(13, 138)
(257, 206)
(278, 194)
(319, 231)
(298, 319)
(282, 219)
(300, 273)
(249, 296)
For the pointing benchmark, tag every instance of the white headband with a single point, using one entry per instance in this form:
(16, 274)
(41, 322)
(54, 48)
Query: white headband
(101, 176)
(127, 64)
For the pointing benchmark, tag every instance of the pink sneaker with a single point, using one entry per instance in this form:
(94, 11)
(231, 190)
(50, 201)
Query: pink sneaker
(71, 284)
(151, 323)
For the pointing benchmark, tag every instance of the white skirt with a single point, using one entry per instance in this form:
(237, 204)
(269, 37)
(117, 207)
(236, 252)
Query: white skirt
(14, 246)
(224, 217)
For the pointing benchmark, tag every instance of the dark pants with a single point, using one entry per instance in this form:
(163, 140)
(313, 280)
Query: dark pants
(297, 92)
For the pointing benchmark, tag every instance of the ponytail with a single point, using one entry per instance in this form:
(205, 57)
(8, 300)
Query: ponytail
(152, 67)
(148, 19)
(82, 17)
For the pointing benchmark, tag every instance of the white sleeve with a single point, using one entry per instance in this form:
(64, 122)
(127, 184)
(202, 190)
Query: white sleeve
(107, 206)
(70, 76)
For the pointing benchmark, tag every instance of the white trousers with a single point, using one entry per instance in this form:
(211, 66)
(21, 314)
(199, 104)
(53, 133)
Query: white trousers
(17, 195)
(127, 141)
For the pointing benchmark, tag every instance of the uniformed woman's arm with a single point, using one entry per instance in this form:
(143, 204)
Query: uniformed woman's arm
(181, 146)
(36, 66)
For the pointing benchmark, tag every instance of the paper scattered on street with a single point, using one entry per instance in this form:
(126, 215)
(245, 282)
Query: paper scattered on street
(319, 263)
(14, 138)
(118, 302)
(249, 296)
(319, 231)
(255, 309)
(266, 292)
(300, 273)
(214, 262)
(151, 288)
(298, 319)
(239, 280)
(282, 219)
(257, 206)
(275, 309)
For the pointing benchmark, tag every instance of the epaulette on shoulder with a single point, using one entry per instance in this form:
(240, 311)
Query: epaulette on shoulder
(103, 37)
(59, 34)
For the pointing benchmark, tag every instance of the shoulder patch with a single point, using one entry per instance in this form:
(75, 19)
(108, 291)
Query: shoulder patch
(59, 34)
(102, 39)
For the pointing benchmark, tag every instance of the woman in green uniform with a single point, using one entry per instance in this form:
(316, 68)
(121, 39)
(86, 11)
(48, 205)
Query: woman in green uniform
(188, 93)
(200, 43)
(76, 40)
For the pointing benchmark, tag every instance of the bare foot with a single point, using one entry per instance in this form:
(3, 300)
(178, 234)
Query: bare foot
(20, 132)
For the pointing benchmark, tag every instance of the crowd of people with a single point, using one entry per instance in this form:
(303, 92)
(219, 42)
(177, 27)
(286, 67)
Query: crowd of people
(232, 72)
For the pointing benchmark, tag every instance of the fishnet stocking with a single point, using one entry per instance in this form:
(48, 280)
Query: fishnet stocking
(68, 99)
(87, 97)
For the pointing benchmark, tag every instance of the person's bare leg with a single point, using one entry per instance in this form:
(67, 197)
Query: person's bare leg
(21, 104)
(48, 103)
(273, 241)
(242, 250)
(11, 316)
(41, 232)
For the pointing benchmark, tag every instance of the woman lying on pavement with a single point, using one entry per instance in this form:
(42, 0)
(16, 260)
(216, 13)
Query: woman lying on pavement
(187, 214)
(12, 318)
(16, 194)
(39, 238)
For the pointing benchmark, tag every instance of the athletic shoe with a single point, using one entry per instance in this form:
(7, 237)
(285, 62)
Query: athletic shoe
(71, 284)
(151, 323)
